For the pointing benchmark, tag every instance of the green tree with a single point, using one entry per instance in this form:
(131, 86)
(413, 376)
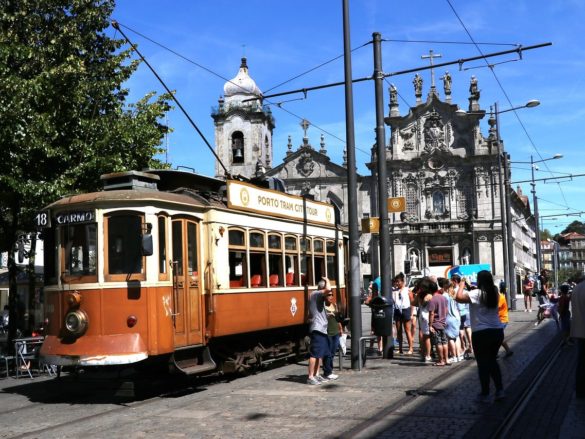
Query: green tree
(64, 115)
(575, 226)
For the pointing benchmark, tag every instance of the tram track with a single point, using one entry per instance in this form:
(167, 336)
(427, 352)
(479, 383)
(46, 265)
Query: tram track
(91, 409)
(399, 407)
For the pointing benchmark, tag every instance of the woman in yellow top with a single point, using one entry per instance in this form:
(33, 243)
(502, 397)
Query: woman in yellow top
(503, 313)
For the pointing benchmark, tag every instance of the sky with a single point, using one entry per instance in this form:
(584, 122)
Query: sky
(196, 46)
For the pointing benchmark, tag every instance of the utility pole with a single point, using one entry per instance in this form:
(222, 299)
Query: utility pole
(535, 203)
(510, 237)
(503, 218)
(354, 258)
(384, 234)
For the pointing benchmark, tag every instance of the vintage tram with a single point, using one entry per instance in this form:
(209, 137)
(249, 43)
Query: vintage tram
(173, 268)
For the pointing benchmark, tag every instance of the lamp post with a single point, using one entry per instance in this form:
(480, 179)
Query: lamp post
(505, 211)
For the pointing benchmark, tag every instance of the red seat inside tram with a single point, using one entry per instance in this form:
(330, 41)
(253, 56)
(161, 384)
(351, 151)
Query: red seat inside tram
(273, 280)
(256, 280)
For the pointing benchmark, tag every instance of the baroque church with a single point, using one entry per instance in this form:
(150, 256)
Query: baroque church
(437, 159)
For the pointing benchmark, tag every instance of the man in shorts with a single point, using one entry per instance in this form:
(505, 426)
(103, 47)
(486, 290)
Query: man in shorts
(438, 308)
(318, 331)
(527, 290)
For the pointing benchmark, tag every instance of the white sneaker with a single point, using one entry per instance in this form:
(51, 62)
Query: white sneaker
(525, 310)
(321, 379)
(313, 381)
(331, 377)
(529, 310)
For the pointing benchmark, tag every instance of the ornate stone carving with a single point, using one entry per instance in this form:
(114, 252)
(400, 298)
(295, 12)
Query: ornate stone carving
(305, 164)
(434, 134)
(408, 139)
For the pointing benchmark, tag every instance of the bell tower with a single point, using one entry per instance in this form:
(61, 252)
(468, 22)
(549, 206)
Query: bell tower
(243, 127)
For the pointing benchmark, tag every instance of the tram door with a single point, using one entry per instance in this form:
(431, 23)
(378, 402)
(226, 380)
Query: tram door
(187, 312)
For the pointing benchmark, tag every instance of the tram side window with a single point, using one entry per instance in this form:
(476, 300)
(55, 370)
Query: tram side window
(291, 261)
(124, 244)
(275, 277)
(257, 260)
(331, 268)
(237, 258)
(319, 258)
(163, 266)
(80, 242)
(306, 262)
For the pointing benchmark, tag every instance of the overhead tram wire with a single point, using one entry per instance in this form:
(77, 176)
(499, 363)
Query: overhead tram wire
(501, 87)
(277, 104)
(117, 27)
(388, 40)
(316, 67)
(460, 62)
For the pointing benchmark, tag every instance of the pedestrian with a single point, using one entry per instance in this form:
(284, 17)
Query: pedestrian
(318, 331)
(565, 312)
(373, 291)
(334, 331)
(402, 313)
(503, 314)
(578, 334)
(438, 308)
(486, 332)
(465, 321)
(527, 291)
(453, 321)
(424, 290)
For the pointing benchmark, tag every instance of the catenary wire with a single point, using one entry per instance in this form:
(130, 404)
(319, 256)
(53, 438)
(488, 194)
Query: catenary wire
(501, 88)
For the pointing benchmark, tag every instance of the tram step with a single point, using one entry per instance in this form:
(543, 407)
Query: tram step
(193, 361)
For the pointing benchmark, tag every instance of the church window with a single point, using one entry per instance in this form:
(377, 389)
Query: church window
(237, 147)
(438, 202)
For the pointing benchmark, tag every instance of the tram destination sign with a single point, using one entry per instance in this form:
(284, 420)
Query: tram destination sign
(243, 196)
(76, 217)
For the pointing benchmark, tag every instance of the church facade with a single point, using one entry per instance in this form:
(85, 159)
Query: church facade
(437, 159)
(450, 177)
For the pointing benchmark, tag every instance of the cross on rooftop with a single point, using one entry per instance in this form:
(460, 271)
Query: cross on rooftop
(305, 124)
(430, 57)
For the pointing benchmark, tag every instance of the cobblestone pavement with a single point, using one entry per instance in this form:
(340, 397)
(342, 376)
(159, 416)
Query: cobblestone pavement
(387, 399)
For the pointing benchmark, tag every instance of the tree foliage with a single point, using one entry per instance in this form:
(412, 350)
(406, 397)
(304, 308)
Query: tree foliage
(575, 226)
(64, 115)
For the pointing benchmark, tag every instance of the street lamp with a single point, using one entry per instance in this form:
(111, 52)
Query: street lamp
(505, 213)
(532, 163)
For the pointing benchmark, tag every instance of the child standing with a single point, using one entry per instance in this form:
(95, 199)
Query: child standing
(503, 313)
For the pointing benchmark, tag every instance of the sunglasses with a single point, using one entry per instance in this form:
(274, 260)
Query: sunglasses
(329, 294)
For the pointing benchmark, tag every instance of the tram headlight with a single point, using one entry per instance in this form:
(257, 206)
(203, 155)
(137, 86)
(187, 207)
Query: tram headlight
(131, 321)
(76, 322)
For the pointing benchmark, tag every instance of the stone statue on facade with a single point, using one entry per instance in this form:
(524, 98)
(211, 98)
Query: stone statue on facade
(447, 83)
(473, 88)
(413, 261)
(418, 83)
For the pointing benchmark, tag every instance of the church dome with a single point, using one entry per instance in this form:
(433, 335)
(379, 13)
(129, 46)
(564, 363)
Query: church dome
(242, 84)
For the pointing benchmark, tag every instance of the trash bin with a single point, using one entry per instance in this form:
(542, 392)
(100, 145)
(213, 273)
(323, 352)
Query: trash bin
(382, 313)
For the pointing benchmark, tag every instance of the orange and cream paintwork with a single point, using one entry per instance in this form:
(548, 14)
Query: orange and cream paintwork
(133, 274)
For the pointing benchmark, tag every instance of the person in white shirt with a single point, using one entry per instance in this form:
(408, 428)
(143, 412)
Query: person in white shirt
(402, 313)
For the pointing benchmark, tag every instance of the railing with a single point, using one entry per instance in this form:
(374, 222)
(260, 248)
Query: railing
(432, 227)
